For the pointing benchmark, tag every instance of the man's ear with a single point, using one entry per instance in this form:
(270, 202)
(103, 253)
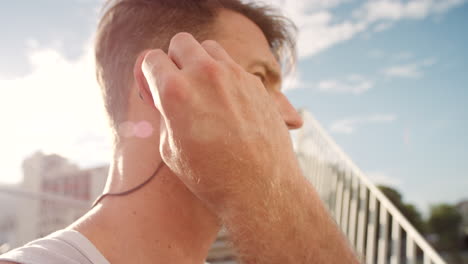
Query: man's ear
(140, 80)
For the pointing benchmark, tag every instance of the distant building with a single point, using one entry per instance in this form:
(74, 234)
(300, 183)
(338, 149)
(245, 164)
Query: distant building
(7, 218)
(463, 209)
(56, 193)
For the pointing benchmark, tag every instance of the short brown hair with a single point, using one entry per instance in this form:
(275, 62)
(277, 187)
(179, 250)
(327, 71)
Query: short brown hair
(128, 27)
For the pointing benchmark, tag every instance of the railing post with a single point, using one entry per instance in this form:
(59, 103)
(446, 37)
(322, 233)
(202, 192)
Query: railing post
(362, 219)
(383, 236)
(332, 197)
(339, 198)
(427, 260)
(396, 243)
(346, 198)
(319, 180)
(327, 182)
(353, 210)
(410, 250)
(371, 228)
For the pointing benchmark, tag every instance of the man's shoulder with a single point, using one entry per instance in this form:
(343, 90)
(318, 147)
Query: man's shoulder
(64, 247)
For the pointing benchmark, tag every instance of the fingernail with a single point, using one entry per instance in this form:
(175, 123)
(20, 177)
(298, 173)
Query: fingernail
(148, 63)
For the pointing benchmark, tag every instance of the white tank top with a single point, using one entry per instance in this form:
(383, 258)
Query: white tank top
(61, 247)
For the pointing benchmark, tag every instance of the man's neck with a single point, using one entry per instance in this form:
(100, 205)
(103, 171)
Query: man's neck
(163, 221)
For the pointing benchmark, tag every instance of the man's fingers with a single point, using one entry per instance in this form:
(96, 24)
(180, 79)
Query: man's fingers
(216, 51)
(142, 85)
(163, 77)
(185, 50)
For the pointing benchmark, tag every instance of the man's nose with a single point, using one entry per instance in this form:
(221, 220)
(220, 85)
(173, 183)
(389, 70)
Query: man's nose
(290, 115)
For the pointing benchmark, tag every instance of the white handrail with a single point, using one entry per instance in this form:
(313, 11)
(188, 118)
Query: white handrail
(338, 157)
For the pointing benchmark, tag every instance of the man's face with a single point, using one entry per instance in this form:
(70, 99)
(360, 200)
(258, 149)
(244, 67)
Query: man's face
(247, 45)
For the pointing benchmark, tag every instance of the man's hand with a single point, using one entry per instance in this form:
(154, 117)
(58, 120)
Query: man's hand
(223, 136)
(221, 133)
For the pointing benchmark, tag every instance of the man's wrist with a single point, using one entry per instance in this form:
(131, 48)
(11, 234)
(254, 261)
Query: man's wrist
(257, 196)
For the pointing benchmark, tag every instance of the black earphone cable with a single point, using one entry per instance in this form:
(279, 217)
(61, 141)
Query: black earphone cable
(136, 188)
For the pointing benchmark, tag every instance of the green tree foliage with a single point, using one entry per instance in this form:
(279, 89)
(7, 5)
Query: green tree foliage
(445, 221)
(408, 210)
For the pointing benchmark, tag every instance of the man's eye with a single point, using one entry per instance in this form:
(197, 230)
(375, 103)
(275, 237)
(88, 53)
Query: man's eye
(261, 76)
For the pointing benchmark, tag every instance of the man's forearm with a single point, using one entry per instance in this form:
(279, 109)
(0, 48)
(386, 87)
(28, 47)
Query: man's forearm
(286, 223)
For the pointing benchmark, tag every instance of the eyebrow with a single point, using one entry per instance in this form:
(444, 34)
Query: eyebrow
(272, 73)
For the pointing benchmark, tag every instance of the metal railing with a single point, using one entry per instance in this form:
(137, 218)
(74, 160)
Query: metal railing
(373, 225)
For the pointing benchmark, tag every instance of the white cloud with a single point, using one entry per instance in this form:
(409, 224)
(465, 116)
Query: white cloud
(320, 28)
(317, 33)
(382, 178)
(393, 10)
(382, 26)
(355, 84)
(293, 81)
(56, 108)
(410, 70)
(350, 125)
(306, 5)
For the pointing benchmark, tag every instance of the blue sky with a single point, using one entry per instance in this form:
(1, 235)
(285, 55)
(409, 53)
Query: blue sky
(387, 79)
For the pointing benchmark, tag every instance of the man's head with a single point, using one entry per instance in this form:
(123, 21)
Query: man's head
(256, 37)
